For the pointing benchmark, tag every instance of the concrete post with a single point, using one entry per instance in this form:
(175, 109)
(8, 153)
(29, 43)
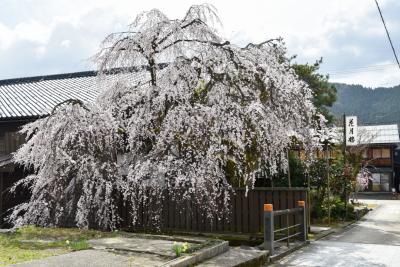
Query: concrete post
(303, 218)
(269, 228)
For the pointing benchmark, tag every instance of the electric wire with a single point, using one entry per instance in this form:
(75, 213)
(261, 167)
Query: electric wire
(388, 35)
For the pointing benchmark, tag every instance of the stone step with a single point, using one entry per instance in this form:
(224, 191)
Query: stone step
(237, 256)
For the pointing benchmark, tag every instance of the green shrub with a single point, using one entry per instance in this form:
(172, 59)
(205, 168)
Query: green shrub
(320, 209)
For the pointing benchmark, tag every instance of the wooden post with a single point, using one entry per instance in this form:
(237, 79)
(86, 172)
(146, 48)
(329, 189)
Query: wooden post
(269, 228)
(288, 159)
(392, 181)
(302, 204)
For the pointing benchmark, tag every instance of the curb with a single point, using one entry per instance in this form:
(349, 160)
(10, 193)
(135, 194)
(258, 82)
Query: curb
(190, 239)
(199, 256)
(256, 261)
(323, 234)
(334, 230)
(238, 257)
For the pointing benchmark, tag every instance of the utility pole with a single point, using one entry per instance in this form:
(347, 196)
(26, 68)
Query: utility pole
(327, 158)
(309, 201)
(345, 164)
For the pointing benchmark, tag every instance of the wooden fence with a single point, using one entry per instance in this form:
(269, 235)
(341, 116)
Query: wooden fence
(246, 212)
(245, 216)
(7, 199)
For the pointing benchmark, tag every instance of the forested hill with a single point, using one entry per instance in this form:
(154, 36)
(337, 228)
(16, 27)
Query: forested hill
(372, 106)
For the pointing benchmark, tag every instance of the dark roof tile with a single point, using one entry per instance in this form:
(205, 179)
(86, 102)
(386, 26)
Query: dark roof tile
(36, 96)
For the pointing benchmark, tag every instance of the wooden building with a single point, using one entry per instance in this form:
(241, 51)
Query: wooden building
(380, 148)
(379, 143)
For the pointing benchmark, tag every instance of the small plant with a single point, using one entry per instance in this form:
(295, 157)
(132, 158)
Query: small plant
(180, 248)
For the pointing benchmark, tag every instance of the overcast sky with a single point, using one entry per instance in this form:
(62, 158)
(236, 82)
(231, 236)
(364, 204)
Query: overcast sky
(39, 37)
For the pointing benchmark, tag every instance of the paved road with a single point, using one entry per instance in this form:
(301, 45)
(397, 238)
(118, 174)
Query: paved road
(374, 241)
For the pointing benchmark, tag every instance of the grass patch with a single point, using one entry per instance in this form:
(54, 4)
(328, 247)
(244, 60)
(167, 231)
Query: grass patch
(30, 242)
(79, 245)
(11, 255)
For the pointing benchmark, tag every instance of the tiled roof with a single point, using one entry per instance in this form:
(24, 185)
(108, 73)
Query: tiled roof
(33, 97)
(379, 134)
(36, 96)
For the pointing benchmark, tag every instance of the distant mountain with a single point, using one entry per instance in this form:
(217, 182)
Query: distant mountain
(372, 106)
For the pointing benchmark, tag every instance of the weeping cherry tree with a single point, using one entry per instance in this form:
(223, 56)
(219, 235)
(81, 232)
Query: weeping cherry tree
(186, 112)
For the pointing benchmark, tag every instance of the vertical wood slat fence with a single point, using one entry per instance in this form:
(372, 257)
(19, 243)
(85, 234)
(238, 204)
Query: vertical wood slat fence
(8, 199)
(246, 212)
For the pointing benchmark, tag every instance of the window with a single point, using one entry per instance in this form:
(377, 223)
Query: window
(376, 153)
(381, 153)
(386, 153)
(381, 181)
(376, 178)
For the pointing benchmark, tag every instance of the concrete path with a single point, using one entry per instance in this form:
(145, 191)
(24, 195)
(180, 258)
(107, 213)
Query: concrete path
(141, 245)
(132, 251)
(84, 258)
(374, 241)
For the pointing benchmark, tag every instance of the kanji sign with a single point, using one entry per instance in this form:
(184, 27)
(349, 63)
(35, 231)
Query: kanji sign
(351, 131)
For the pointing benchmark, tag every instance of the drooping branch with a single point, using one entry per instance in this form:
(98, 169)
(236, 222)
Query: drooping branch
(70, 101)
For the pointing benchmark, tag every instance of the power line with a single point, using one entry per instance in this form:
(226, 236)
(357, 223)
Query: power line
(351, 71)
(388, 35)
(361, 68)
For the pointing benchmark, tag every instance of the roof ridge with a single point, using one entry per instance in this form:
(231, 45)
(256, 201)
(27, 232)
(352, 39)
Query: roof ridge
(48, 77)
(378, 125)
(79, 74)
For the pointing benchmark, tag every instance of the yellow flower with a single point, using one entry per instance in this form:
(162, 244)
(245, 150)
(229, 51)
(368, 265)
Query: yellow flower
(67, 241)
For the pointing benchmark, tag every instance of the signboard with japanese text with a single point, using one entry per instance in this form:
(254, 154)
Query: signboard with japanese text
(351, 131)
